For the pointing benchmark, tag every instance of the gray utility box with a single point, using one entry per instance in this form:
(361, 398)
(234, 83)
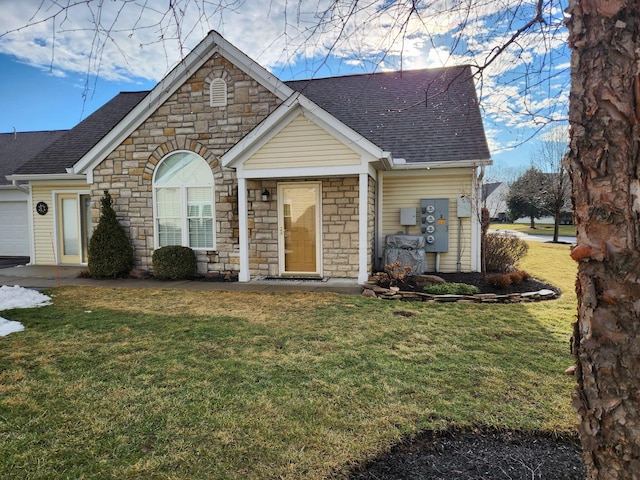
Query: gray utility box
(434, 223)
(408, 250)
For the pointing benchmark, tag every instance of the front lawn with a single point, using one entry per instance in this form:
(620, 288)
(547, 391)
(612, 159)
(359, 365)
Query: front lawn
(116, 383)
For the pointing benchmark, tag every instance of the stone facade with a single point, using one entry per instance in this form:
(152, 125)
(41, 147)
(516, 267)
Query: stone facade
(340, 216)
(186, 121)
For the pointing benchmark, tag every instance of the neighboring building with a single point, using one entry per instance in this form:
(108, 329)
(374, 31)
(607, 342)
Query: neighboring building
(15, 150)
(268, 178)
(494, 199)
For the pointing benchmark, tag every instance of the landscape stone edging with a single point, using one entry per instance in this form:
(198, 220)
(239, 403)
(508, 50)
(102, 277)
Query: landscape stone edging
(374, 291)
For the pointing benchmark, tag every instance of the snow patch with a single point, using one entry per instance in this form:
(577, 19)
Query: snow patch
(18, 297)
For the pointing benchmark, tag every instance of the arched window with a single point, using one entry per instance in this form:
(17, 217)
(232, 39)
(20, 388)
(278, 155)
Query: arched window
(218, 93)
(184, 208)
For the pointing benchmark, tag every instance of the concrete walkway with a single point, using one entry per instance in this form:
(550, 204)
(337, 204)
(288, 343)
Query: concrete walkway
(43, 277)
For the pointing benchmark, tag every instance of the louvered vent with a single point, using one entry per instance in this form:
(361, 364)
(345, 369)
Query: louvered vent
(218, 93)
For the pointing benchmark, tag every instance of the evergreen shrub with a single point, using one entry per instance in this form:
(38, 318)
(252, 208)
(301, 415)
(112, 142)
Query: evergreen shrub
(110, 251)
(451, 288)
(174, 262)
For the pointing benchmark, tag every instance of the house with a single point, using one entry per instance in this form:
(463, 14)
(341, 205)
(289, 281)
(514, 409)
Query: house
(16, 149)
(268, 178)
(494, 199)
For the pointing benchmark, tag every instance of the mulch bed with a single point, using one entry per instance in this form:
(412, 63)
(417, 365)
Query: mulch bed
(477, 456)
(479, 280)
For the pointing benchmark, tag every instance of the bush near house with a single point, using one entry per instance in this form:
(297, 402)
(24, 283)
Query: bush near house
(110, 252)
(174, 262)
(502, 251)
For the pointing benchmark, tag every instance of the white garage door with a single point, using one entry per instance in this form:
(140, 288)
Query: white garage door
(14, 230)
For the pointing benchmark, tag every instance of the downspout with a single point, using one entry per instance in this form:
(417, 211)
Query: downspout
(19, 187)
(478, 216)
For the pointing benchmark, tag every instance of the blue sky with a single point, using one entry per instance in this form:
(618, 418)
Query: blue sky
(60, 68)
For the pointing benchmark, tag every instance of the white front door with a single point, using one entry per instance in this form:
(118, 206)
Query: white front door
(74, 227)
(299, 222)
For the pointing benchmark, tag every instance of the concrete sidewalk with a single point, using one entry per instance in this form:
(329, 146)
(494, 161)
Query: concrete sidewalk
(44, 277)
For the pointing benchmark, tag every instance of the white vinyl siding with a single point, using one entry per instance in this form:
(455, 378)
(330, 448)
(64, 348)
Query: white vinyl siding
(302, 143)
(407, 188)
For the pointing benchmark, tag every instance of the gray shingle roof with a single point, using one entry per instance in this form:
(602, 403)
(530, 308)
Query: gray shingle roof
(18, 148)
(75, 143)
(429, 115)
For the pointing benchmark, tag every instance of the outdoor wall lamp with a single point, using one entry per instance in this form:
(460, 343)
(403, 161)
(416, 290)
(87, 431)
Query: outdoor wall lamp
(265, 195)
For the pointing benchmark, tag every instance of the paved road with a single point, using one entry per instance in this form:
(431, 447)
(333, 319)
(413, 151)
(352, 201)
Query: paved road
(537, 238)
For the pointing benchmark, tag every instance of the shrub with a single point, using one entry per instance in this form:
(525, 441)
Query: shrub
(174, 263)
(110, 252)
(499, 280)
(516, 277)
(502, 251)
(451, 289)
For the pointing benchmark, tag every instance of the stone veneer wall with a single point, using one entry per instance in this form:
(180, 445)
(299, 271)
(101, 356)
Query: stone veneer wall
(339, 227)
(186, 121)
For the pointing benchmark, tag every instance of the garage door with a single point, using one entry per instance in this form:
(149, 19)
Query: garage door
(14, 234)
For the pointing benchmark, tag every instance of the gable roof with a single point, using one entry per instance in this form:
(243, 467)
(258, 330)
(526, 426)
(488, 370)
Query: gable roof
(417, 117)
(428, 115)
(17, 149)
(489, 188)
(73, 144)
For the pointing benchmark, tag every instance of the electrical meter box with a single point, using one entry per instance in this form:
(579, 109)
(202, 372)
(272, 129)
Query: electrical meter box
(408, 216)
(434, 223)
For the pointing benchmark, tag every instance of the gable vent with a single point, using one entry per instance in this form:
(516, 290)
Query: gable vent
(218, 93)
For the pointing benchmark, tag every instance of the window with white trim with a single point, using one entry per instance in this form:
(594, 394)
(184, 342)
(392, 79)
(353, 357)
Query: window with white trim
(184, 206)
(218, 93)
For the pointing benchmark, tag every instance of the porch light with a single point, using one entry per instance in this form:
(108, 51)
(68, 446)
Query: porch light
(265, 195)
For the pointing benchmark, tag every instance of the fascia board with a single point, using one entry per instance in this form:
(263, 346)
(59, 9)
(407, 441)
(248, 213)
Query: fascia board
(304, 172)
(438, 165)
(46, 177)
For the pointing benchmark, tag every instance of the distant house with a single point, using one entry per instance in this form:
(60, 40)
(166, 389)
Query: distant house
(268, 178)
(15, 150)
(494, 199)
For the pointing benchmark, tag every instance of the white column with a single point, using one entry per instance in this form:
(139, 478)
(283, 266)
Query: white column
(243, 231)
(363, 214)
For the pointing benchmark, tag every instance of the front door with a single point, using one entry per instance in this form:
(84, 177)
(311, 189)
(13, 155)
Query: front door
(74, 227)
(299, 226)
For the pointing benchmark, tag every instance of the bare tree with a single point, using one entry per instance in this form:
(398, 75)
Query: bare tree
(548, 157)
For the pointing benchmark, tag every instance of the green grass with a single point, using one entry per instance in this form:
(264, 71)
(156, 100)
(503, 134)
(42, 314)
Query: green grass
(162, 384)
(541, 229)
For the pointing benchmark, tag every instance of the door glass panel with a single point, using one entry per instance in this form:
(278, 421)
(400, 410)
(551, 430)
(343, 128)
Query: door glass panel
(70, 228)
(300, 231)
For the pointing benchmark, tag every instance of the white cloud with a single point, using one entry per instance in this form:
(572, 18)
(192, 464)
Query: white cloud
(137, 40)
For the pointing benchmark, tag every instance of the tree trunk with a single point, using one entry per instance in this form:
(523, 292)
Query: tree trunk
(556, 223)
(605, 172)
